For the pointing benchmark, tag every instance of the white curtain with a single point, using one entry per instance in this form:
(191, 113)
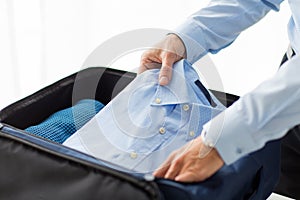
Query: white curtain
(43, 41)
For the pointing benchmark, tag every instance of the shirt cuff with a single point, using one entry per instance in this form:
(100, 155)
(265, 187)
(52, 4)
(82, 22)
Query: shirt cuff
(194, 43)
(229, 134)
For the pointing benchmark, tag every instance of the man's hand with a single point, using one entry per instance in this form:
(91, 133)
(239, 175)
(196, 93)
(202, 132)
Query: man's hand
(192, 163)
(163, 55)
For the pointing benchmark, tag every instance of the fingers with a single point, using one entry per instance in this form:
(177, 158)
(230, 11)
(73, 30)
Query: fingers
(187, 177)
(148, 65)
(165, 74)
(149, 60)
(174, 169)
(170, 50)
(160, 173)
(169, 170)
(185, 165)
(165, 61)
(162, 170)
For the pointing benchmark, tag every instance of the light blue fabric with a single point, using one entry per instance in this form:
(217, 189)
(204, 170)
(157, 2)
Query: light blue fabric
(62, 124)
(271, 109)
(126, 134)
(217, 25)
(146, 122)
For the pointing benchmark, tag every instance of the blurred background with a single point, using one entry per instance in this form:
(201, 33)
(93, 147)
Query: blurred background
(43, 41)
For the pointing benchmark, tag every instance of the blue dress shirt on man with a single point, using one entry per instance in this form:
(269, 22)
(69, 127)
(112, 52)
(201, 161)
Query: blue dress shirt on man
(140, 127)
(270, 110)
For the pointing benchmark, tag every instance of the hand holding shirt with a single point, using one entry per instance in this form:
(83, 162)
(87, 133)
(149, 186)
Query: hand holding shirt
(140, 127)
(247, 125)
(146, 122)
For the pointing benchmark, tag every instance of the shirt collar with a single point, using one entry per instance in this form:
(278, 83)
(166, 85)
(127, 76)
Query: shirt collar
(178, 91)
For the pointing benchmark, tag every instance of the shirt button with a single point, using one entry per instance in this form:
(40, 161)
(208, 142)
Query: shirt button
(158, 100)
(239, 150)
(149, 177)
(162, 130)
(133, 155)
(186, 107)
(210, 144)
(192, 133)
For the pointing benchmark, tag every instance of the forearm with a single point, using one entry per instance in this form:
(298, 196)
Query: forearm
(219, 24)
(264, 114)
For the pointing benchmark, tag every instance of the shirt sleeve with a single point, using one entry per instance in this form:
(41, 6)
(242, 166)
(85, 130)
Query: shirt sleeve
(262, 115)
(218, 24)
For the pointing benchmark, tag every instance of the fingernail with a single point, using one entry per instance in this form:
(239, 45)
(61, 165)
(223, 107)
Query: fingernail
(163, 80)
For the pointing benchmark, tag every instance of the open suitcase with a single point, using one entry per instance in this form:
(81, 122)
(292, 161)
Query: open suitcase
(35, 168)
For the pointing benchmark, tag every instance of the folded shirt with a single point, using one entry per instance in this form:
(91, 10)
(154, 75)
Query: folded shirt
(140, 127)
(146, 122)
(62, 124)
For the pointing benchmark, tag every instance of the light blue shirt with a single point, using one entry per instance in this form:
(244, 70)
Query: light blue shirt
(270, 110)
(218, 24)
(140, 127)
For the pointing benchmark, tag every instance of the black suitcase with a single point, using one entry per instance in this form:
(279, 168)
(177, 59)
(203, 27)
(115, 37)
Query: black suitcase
(35, 168)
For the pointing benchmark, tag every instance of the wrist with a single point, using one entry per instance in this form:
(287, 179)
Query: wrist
(204, 148)
(179, 44)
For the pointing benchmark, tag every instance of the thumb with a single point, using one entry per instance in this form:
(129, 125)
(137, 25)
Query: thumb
(165, 74)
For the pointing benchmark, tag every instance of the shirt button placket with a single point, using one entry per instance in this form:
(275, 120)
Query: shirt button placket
(192, 134)
(186, 107)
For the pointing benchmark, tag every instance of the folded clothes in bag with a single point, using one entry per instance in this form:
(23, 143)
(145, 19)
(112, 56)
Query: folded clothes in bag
(35, 168)
(252, 177)
(141, 127)
(61, 125)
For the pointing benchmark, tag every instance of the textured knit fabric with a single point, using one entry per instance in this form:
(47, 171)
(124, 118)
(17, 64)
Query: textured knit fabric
(62, 124)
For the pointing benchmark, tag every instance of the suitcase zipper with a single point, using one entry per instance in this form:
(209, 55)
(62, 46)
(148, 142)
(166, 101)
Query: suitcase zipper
(42, 144)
